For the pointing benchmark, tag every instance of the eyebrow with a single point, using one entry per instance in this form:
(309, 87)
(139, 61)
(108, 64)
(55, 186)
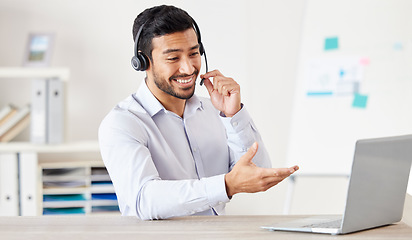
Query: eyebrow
(171, 50)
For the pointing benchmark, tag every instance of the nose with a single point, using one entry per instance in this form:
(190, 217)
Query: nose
(186, 66)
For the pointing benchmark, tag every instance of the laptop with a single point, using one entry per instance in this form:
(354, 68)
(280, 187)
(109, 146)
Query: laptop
(376, 192)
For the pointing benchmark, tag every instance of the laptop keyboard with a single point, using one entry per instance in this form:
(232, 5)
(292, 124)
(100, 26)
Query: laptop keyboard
(331, 224)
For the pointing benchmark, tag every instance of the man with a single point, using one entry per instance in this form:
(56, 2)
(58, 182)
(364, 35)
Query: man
(170, 153)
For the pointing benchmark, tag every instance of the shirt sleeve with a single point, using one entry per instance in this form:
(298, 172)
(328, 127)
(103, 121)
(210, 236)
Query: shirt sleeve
(241, 134)
(140, 190)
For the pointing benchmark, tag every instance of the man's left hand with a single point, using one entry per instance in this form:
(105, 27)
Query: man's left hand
(224, 92)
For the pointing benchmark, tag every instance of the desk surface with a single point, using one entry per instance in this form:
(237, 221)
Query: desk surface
(212, 227)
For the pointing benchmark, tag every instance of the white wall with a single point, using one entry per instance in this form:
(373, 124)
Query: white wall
(255, 42)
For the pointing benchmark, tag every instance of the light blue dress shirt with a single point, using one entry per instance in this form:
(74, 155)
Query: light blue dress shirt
(163, 166)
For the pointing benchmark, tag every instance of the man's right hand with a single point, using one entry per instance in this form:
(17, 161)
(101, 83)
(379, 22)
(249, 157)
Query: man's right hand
(247, 177)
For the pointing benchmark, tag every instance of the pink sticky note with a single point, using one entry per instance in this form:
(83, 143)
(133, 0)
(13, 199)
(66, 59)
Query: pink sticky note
(364, 61)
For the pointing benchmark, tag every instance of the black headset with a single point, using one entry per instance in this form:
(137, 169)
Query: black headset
(140, 62)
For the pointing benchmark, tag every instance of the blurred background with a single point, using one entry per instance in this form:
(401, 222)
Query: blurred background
(278, 51)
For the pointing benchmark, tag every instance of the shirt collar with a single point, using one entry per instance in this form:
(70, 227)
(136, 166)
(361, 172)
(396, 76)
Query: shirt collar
(192, 104)
(150, 103)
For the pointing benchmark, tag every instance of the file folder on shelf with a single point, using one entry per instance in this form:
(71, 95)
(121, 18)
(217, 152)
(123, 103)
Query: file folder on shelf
(29, 197)
(63, 197)
(55, 109)
(9, 195)
(59, 211)
(81, 188)
(39, 111)
(47, 125)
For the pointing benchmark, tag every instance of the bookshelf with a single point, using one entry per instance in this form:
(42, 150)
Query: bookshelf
(11, 177)
(40, 178)
(34, 73)
(47, 103)
(67, 178)
(76, 188)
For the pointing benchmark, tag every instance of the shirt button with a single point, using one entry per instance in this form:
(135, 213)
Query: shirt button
(194, 149)
(234, 124)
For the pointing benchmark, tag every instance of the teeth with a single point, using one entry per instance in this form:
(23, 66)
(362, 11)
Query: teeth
(183, 80)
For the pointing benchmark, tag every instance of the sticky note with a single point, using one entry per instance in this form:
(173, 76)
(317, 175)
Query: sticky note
(398, 46)
(342, 73)
(364, 61)
(360, 101)
(319, 94)
(331, 43)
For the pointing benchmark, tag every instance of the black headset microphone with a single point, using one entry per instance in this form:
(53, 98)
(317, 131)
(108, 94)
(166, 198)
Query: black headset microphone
(140, 62)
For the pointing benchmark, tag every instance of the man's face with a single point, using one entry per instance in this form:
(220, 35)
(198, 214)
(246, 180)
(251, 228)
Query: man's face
(176, 63)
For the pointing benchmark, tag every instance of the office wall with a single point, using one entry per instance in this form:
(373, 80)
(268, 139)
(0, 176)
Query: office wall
(255, 42)
(262, 44)
(373, 57)
(374, 51)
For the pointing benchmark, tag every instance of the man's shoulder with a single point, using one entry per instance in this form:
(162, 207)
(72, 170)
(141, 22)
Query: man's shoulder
(130, 104)
(124, 112)
(127, 118)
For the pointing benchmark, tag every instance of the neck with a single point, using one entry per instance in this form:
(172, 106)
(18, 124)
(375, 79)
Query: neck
(170, 103)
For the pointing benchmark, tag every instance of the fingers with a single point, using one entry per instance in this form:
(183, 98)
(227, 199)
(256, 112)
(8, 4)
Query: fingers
(247, 177)
(278, 172)
(224, 85)
(285, 171)
(275, 177)
(211, 74)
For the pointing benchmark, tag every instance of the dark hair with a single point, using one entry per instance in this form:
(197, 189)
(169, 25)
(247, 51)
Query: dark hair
(159, 21)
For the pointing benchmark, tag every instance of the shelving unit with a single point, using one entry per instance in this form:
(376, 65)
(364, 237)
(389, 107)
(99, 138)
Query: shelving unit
(76, 188)
(34, 73)
(35, 178)
(47, 100)
(65, 178)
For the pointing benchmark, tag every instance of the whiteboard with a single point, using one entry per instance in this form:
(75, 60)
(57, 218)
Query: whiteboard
(373, 43)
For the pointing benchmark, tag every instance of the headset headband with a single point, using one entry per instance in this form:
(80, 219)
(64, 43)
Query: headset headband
(140, 61)
(136, 42)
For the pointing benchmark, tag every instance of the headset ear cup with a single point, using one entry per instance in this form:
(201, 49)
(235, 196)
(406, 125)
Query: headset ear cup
(135, 63)
(140, 62)
(143, 60)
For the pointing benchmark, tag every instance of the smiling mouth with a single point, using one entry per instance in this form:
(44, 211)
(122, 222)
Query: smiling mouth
(184, 80)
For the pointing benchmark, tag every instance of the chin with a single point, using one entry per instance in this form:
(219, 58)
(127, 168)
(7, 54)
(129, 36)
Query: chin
(185, 96)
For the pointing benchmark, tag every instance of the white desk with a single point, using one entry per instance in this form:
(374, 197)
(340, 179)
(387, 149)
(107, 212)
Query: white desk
(211, 227)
